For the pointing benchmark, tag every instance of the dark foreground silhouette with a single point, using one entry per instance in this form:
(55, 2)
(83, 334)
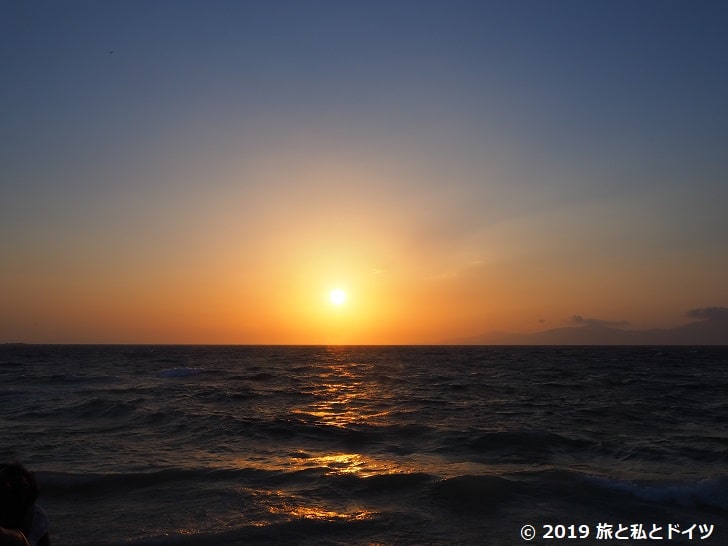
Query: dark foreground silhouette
(22, 521)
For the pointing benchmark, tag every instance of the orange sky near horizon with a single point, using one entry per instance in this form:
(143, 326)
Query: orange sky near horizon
(262, 274)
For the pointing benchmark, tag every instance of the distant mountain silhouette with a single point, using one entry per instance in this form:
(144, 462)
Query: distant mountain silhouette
(711, 330)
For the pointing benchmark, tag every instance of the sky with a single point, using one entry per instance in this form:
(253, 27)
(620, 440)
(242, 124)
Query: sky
(208, 172)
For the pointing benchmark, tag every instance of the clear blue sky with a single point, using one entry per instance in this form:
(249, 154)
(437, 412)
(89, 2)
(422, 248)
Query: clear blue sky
(508, 164)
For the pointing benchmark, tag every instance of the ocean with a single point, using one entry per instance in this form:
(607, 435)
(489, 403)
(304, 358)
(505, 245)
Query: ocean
(233, 445)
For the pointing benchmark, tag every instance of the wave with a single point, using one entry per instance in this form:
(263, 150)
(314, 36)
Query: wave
(78, 378)
(100, 407)
(712, 492)
(267, 506)
(514, 446)
(110, 485)
(64, 483)
(294, 531)
(526, 441)
(465, 489)
(476, 493)
(181, 372)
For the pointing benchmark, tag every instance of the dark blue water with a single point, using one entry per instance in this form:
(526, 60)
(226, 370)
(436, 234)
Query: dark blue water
(369, 445)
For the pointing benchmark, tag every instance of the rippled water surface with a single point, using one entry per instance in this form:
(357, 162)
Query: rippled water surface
(365, 445)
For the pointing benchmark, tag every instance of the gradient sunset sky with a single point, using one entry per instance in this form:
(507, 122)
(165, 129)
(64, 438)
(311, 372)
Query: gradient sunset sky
(207, 172)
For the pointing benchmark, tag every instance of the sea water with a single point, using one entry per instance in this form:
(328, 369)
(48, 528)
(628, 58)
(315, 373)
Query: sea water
(157, 445)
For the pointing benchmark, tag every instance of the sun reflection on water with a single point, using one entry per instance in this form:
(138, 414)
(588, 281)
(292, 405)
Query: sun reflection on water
(290, 507)
(348, 464)
(319, 513)
(345, 402)
(346, 393)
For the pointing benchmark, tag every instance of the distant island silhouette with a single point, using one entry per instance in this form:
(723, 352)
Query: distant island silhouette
(709, 327)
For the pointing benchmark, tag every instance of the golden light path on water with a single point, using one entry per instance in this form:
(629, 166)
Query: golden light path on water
(345, 395)
(341, 397)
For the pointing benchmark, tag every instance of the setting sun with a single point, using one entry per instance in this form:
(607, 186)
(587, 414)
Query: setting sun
(337, 296)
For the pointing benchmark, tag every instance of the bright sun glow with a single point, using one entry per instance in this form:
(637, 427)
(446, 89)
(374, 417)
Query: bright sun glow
(337, 296)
